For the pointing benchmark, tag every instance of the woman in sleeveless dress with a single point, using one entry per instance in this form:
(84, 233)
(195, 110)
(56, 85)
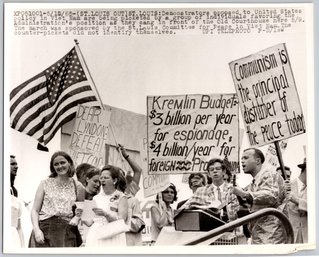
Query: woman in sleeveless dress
(53, 203)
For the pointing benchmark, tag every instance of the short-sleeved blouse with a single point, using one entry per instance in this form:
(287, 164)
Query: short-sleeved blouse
(109, 203)
(58, 199)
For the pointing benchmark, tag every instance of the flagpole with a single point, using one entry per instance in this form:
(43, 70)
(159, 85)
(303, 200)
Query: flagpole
(97, 92)
(111, 127)
(89, 73)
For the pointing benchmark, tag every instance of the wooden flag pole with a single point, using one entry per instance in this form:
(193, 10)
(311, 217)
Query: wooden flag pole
(111, 127)
(88, 71)
(97, 92)
(281, 162)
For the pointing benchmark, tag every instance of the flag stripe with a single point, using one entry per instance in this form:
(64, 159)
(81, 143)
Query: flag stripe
(30, 106)
(31, 91)
(33, 81)
(64, 109)
(65, 120)
(46, 113)
(32, 115)
(42, 104)
(75, 95)
(40, 137)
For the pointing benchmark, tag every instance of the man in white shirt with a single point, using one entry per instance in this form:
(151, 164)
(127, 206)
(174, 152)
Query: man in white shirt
(297, 205)
(17, 237)
(216, 193)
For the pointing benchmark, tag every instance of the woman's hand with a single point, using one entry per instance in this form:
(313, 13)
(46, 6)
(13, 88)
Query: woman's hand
(39, 237)
(123, 151)
(74, 221)
(78, 212)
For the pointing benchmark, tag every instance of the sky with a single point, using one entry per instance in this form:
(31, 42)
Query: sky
(128, 69)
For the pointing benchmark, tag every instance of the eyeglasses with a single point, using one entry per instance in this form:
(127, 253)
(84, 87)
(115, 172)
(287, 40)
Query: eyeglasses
(215, 168)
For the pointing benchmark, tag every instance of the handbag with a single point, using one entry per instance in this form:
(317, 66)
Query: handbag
(76, 231)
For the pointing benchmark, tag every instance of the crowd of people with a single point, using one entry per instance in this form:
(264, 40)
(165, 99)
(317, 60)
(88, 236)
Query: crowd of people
(59, 220)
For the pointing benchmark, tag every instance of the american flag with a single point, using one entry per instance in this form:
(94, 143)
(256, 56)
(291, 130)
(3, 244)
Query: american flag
(42, 104)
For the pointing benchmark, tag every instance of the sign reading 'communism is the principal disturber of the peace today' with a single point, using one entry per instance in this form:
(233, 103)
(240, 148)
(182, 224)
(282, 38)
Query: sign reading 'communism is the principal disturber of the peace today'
(186, 131)
(268, 96)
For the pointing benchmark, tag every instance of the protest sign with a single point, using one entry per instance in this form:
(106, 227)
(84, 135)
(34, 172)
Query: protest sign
(89, 135)
(152, 184)
(271, 158)
(186, 131)
(268, 96)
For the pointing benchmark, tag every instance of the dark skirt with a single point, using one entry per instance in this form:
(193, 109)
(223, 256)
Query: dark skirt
(57, 233)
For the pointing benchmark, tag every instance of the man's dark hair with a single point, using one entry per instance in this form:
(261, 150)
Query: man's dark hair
(196, 174)
(257, 154)
(279, 168)
(214, 160)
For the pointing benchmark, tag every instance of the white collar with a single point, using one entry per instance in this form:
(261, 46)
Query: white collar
(216, 187)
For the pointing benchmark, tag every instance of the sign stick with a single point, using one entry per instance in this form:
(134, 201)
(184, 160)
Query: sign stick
(281, 162)
(99, 97)
(111, 127)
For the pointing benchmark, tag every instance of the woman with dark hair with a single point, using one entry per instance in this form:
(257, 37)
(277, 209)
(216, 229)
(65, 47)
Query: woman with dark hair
(162, 214)
(92, 183)
(53, 203)
(112, 211)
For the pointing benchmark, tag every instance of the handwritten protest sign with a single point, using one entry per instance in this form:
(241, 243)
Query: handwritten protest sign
(186, 131)
(271, 158)
(152, 184)
(267, 96)
(89, 135)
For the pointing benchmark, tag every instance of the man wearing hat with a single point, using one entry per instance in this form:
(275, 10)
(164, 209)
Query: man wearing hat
(297, 205)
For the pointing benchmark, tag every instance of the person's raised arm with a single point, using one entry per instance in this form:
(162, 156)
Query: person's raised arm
(135, 167)
(37, 204)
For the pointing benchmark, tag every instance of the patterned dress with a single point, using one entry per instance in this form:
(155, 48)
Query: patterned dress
(55, 214)
(58, 199)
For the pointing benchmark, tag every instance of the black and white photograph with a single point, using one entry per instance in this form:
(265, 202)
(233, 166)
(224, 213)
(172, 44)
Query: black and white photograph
(159, 128)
